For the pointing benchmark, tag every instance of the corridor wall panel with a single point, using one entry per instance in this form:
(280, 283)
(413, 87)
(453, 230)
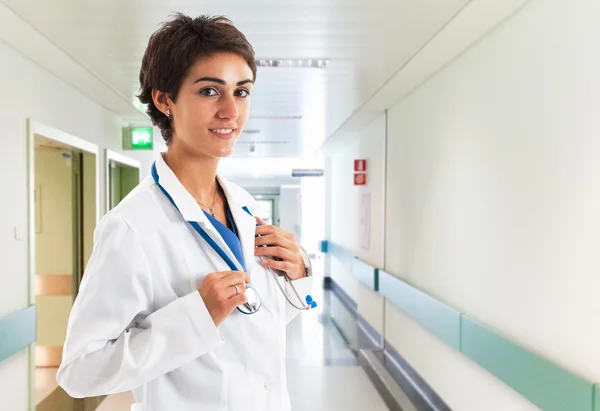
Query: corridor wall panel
(492, 197)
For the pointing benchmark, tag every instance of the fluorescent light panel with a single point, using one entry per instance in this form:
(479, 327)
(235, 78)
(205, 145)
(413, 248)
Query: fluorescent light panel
(293, 63)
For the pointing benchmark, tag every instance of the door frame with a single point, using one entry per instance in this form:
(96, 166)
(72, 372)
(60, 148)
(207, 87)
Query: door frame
(121, 159)
(36, 128)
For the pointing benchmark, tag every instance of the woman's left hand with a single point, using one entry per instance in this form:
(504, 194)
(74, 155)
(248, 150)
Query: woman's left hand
(283, 245)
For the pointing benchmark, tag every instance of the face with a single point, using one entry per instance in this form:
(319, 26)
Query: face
(212, 106)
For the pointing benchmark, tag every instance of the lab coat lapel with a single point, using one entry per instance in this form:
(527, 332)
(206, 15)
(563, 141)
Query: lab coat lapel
(246, 223)
(192, 212)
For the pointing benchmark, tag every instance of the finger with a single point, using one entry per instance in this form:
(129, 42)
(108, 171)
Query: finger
(233, 292)
(272, 239)
(266, 229)
(235, 278)
(237, 301)
(280, 252)
(260, 221)
(220, 275)
(284, 266)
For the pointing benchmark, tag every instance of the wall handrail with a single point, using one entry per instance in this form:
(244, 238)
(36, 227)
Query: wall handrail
(538, 379)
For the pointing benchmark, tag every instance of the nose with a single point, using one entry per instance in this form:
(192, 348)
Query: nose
(228, 109)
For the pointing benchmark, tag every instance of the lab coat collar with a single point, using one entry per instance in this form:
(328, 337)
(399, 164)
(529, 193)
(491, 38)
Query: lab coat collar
(191, 211)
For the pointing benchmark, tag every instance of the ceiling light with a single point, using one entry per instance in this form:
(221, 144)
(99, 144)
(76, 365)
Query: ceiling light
(302, 63)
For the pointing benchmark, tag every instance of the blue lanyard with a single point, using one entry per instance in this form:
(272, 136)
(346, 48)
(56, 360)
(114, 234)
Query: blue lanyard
(196, 226)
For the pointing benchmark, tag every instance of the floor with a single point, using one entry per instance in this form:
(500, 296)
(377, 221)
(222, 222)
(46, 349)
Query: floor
(322, 372)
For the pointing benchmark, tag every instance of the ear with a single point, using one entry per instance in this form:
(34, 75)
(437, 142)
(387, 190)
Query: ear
(162, 101)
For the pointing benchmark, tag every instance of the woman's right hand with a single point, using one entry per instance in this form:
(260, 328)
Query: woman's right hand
(219, 294)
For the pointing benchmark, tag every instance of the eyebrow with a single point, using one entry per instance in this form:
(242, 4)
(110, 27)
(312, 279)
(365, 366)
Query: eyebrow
(221, 81)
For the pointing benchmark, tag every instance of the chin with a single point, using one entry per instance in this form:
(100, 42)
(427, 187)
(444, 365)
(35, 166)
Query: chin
(224, 152)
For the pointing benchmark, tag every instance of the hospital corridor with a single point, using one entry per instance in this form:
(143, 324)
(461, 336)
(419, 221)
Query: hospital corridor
(285, 205)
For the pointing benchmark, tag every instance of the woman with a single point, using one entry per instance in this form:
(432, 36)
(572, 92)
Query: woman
(156, 311)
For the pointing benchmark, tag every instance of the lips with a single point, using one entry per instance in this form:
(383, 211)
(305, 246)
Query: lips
(224, 133)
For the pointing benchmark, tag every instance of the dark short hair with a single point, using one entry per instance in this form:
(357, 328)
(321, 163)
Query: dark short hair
(175, 47)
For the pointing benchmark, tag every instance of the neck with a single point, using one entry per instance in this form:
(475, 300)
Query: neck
(196, 174)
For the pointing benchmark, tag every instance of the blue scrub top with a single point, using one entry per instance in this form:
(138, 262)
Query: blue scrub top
(231, 237)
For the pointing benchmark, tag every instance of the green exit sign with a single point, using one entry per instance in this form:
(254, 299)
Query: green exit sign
(138, 138)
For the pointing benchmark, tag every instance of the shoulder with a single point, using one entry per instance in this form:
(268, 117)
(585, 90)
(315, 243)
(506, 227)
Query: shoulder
(138, 207)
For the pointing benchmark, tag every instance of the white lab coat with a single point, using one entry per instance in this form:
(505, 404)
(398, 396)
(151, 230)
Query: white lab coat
(139, 323)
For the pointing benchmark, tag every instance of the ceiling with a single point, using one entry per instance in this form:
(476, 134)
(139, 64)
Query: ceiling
(293, 110)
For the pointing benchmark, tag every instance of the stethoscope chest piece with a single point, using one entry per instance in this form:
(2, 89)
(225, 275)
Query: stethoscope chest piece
(253, 304)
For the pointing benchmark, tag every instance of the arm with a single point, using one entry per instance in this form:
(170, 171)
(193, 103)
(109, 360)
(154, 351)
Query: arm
(303, 286)
(115, 339)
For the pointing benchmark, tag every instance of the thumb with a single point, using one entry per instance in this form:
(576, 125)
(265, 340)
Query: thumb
(260, 221)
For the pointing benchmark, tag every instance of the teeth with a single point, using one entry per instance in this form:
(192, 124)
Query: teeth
(223, 130)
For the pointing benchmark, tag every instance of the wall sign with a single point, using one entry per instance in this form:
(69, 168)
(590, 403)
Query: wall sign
(308, 172)
(360, 179)
(138, 138)
(360, 166)
(360, 172)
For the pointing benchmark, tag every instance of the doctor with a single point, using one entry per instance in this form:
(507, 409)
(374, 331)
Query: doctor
(157, 309)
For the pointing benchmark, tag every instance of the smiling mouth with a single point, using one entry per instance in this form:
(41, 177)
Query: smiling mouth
(225, 133)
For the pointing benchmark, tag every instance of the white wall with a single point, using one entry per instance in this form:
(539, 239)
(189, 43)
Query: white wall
(344, 210)
(343, 221)
(313, 211)
(31, 92)
(493, 195)
(492, 199)
(290, 210)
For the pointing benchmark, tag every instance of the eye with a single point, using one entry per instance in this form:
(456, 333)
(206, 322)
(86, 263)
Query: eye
(209, 92)
(243, 93)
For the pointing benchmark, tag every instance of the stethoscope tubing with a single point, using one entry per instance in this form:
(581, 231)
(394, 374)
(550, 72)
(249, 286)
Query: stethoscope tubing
(224, 256)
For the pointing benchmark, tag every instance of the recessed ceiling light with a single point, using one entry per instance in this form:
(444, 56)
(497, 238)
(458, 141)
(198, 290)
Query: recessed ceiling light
(302, 63)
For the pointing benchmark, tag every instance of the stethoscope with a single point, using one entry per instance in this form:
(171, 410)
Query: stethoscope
(254, 300)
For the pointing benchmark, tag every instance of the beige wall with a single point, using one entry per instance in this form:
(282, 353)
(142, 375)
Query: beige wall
(115, 185)
(53, 317)
(54, 239)
(54, 204)
(89, 205)
(130, 178)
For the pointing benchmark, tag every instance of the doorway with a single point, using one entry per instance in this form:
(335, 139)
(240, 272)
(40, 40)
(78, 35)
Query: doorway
(63, 204)
(122, 176)
(266, 210)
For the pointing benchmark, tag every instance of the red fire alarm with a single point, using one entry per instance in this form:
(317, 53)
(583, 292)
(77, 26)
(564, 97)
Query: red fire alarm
(360, 179)
(360, 166)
